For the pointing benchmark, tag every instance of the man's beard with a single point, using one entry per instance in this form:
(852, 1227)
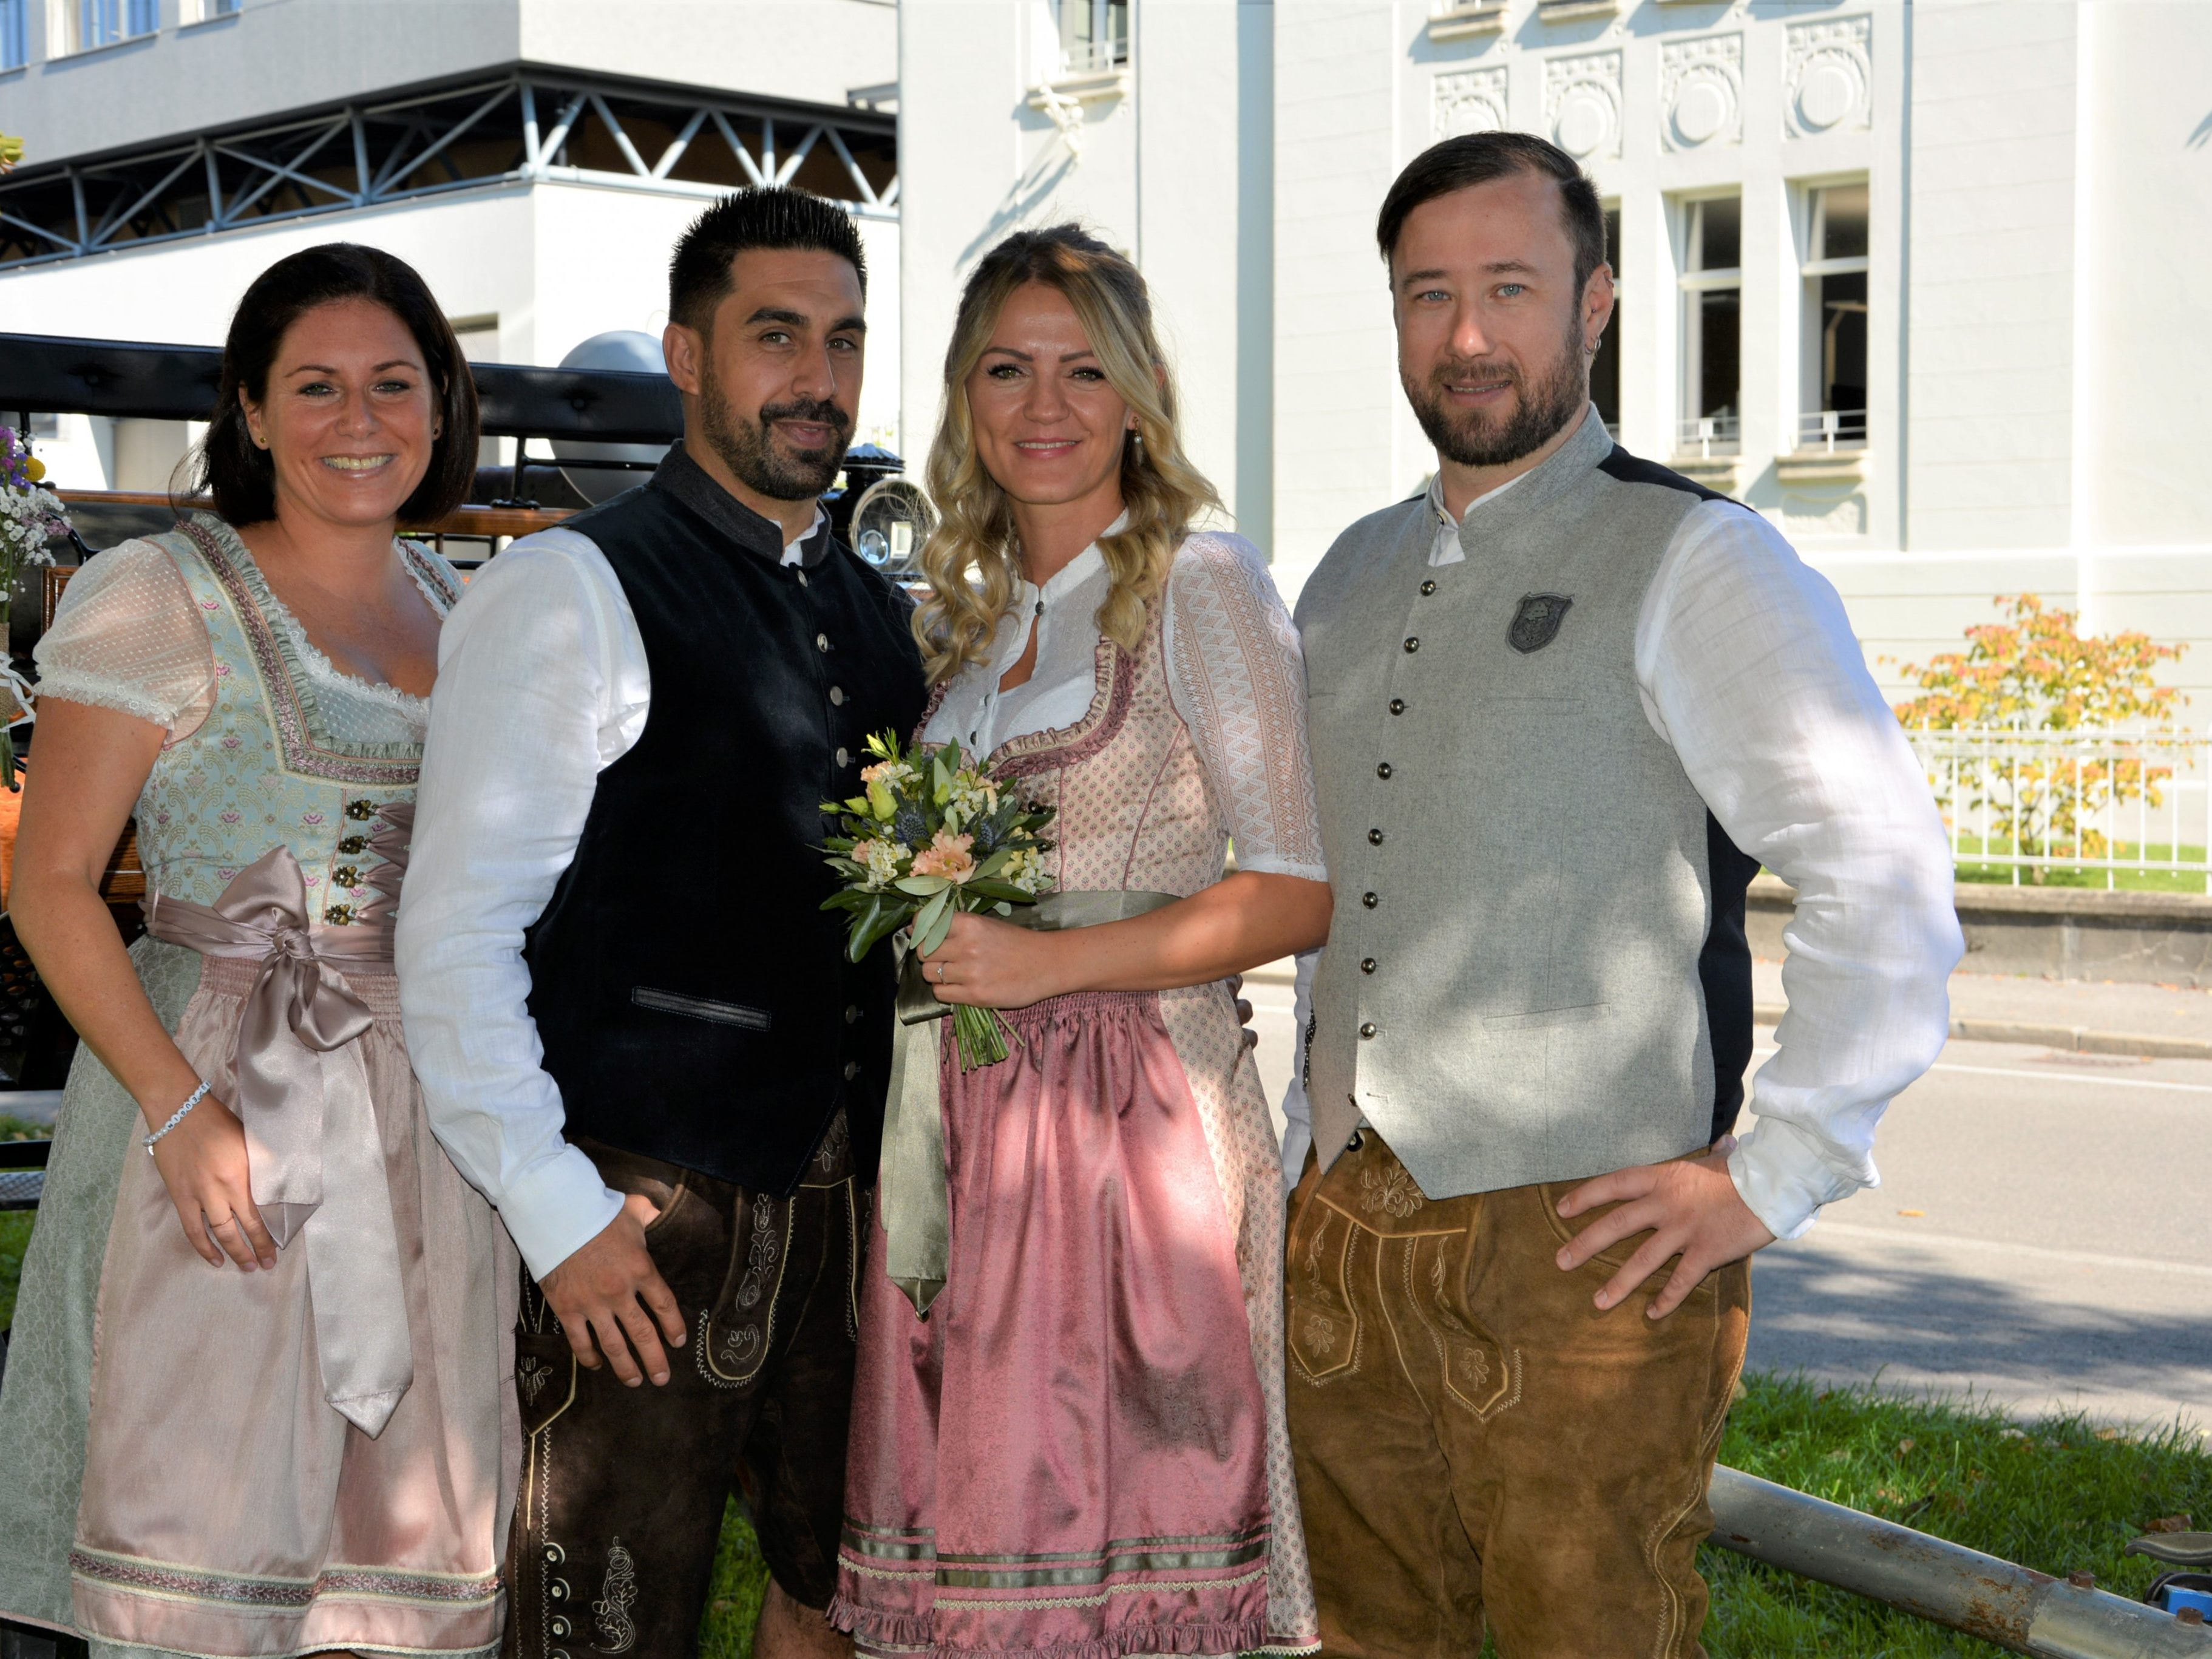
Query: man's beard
(746, 447)
(1539, 411)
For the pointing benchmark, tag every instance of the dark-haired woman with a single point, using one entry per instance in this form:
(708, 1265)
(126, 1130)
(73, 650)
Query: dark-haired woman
(290, 1435)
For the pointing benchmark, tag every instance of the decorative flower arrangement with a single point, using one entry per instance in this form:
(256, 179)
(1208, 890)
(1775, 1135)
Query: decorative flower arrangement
(30, 514)
(933, 836)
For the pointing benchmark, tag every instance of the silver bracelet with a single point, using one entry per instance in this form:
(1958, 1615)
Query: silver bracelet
(178, 1116)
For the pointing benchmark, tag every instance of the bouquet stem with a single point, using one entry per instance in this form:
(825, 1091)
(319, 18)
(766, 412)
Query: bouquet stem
(982, 1035)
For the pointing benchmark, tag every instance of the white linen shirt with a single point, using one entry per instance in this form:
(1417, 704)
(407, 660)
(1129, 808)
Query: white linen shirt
(1746, 664)
(542, 685)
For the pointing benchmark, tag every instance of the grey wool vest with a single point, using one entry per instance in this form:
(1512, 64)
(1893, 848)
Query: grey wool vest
(1536, 970)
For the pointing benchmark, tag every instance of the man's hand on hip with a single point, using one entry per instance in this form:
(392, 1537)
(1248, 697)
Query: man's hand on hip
(605, 1291)
(1691, 1208)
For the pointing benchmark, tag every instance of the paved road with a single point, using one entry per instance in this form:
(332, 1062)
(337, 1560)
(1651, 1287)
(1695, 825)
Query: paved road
(2060, 1256)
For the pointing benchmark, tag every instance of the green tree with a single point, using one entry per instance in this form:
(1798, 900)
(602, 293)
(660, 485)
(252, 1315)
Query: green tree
(2035, 672)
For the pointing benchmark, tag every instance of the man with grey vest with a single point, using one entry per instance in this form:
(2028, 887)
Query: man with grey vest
(1563, 707)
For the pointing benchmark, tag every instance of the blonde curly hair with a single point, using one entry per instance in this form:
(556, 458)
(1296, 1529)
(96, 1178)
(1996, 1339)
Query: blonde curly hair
(970, 558)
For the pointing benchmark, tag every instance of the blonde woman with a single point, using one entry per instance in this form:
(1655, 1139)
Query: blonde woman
(1080, 1448)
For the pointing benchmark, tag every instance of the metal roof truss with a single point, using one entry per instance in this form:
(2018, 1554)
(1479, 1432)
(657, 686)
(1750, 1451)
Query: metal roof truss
(517, 128)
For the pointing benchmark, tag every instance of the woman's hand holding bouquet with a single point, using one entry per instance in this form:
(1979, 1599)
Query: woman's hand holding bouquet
(934, 836)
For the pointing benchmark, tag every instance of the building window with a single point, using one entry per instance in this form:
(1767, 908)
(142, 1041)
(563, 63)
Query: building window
(83, 25)
(1834, 370)
(1605, 367)
(1712, 326)
(206, 11)
(1094, 35)
(13, 47)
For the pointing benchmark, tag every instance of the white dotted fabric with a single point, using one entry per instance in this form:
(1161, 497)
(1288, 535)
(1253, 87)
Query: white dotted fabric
(1237, 678)
(128, 635)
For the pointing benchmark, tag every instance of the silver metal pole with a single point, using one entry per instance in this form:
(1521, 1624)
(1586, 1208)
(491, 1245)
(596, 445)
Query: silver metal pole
(2014, 1607)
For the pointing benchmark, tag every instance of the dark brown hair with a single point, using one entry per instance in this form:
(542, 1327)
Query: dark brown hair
(1476, 158)
(699, 276)
(239, 474)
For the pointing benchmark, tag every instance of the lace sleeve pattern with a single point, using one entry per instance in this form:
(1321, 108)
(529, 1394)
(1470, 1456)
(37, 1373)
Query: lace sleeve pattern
(127, 637)
(1238, 678)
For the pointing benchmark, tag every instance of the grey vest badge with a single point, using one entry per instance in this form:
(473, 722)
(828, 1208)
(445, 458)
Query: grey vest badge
(1536, 623)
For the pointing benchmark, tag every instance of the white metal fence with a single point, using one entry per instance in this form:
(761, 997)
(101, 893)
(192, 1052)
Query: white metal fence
(2107, 801)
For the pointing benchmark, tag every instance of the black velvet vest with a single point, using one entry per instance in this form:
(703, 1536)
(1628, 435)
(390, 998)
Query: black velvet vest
(694, 1001)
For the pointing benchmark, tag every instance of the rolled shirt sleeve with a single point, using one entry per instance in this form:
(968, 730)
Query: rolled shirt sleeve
(540, 684)
(1748, 666)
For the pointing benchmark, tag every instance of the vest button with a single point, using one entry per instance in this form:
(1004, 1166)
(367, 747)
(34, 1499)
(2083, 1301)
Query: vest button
(1367, 964)
(853, 1015)
(844, 757)
(1374, 837)
(1397, 705)
(851, 1070)
(1428, 588)
(801, 574)
(1368, 1029)
(820, 641)
(1368, 899)
(837, 695)
(1412, 645)
(1383, 770)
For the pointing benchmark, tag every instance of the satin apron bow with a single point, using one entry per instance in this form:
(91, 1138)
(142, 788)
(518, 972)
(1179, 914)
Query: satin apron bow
(300, 1084)
(915, 1195)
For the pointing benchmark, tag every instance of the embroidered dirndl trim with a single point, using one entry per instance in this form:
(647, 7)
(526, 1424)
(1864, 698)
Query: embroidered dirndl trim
(292, 707)
(242, 1589)
(1116, 673)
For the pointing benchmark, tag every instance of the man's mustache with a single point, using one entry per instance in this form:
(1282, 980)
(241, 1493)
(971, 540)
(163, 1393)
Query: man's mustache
(815, 409)
(1475, 368)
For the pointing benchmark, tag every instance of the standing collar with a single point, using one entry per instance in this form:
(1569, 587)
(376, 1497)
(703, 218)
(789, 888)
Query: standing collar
(693, 485)
(1563, 470)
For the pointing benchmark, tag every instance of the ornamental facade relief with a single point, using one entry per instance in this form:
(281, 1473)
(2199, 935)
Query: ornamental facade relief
(1829, 84)
(1582, 104)
(1469, 100)
(1701, 91)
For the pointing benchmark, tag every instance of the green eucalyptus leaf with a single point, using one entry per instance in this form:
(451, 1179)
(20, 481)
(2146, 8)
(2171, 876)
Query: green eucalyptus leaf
(921, 886)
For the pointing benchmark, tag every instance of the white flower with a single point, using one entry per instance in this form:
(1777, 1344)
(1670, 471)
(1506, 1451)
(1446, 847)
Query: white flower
(1023, 869)
(972, 797)
(880, 859)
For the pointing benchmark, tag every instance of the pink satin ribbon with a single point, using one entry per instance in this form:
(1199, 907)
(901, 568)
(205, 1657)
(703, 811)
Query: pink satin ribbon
(300, 1084)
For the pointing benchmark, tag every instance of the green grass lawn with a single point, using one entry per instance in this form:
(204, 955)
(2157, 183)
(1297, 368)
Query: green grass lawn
(2125, 881)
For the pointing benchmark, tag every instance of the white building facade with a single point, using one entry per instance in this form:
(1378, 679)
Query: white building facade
(1918, 282)
(535, 160)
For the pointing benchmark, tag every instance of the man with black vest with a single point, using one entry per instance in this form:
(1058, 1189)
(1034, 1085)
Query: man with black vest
(635, 1029)
(1563, 706)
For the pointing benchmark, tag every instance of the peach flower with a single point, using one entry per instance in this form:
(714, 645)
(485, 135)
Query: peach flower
(946, 855)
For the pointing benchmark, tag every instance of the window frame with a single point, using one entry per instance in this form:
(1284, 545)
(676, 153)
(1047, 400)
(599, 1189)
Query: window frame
(1814, 430)
(67, 22)
(1711, 435)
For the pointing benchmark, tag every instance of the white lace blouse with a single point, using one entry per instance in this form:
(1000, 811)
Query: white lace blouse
(127, 636)
(1235, 673)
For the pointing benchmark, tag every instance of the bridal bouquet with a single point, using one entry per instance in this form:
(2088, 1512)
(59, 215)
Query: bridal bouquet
(935, 834)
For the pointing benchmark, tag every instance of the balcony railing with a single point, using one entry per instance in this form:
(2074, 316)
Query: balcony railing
(1092, 57)
(1828, 430)
(1709, 436)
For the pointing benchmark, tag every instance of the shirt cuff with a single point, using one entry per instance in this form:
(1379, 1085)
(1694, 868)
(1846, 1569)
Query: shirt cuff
(556, 1208)
(1781, 1175)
